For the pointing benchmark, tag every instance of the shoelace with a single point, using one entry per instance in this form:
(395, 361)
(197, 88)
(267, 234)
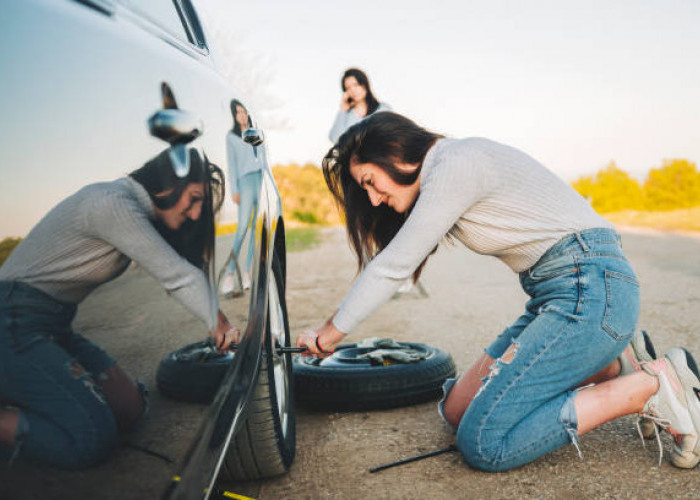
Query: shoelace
(658, 422)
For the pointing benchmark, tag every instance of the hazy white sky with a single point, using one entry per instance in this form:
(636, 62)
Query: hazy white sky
(575, 84)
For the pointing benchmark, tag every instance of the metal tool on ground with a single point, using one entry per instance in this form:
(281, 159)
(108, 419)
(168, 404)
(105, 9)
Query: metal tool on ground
(408, 460)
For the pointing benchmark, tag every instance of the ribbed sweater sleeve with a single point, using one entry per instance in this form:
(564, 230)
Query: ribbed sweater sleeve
(118, 220)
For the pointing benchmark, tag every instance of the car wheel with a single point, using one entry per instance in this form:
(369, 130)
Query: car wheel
(344, 381)
(193, 373)
(266, 444)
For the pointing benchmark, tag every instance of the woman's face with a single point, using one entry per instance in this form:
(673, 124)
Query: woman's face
(356, 91)
(241, 117)
(189, 206)
(381, 188)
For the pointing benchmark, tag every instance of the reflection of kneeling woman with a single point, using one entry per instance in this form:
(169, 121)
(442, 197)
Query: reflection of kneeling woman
(245, 164)
(62, 398)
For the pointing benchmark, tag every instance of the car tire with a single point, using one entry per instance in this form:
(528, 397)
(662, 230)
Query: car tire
(345, 382)
(192, 373)
(266, 444)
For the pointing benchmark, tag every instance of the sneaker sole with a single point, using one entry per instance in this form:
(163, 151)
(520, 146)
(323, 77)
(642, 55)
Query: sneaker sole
(687, 372)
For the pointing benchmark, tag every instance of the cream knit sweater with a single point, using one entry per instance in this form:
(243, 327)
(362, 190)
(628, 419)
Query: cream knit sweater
(91, 237)
(493, 198)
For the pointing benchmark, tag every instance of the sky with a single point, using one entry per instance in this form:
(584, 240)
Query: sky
(574, 84)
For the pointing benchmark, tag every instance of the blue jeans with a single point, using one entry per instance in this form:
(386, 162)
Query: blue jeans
(582, 313)
(52, 374)
(249, 189)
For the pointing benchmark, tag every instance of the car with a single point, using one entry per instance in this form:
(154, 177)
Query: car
(92, 89)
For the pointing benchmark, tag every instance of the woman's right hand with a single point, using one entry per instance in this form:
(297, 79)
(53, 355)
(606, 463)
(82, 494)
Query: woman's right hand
(346, 103)
(321, 342)
(224, 334)
(237, 198)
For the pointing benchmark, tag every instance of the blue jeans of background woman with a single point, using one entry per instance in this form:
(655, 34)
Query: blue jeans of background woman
(52, 374)
(249, 189)
(582, 313)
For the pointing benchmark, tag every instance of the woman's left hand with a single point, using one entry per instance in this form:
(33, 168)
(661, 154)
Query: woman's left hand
(322, 341)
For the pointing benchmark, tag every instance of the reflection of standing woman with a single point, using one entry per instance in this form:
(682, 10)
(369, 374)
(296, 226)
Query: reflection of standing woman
(357, 102)
(245, 163)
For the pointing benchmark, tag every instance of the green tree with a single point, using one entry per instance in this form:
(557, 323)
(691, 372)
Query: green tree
(676, 184)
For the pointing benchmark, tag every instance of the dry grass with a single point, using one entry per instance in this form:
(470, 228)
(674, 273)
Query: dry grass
(686, 219)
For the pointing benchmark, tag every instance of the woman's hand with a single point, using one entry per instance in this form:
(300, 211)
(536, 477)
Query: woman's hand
(347, 102)
(236, 198)
(323, 341)
(224, 334)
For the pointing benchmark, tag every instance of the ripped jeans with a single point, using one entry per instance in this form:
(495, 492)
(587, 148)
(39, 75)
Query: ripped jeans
(582, 313)
(49, 374)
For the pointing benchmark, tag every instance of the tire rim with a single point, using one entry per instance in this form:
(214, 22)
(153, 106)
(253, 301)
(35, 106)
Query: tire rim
(348, 357)
(280, 365)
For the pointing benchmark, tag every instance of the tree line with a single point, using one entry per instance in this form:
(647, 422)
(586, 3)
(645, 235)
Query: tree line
(673, 185)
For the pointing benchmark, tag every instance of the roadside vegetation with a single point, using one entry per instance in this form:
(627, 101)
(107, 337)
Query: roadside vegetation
(305, 197)
(301, 238)
(6, 247)
(668, 199)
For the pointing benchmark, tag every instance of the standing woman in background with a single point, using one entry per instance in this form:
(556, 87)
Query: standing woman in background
(245, 164)
(358, 102)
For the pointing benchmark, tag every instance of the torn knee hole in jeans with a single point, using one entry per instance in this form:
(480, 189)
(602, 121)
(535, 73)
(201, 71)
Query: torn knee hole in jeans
(506, 358)
(510, 353)
(78, 372)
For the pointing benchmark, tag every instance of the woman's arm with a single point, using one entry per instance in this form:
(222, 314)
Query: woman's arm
(339, 126)
(448, 189)
(120, 221)
(233, 169)
(323, 340)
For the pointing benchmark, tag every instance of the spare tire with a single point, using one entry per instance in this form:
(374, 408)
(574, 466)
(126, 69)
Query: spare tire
(345, 382)
(193, 373)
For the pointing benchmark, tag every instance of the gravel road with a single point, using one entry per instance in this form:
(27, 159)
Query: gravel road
(471, 299)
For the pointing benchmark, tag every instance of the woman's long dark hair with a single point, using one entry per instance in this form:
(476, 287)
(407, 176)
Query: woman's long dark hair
(237, 126)
(361, 77)
(384, 139)
(194, 240)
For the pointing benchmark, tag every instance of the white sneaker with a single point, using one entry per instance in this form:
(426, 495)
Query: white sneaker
(639, 350)
(228, 286)
(676, 405)
(246, 280)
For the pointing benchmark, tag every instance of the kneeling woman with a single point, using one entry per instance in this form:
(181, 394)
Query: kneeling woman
(62, 398)
(404, 189)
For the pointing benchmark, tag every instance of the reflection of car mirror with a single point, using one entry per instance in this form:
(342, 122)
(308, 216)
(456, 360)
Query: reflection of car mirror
(180, 160)
(253, 136)
(178, 128)
(175, 126)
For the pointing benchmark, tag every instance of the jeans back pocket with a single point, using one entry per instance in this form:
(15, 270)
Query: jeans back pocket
(621, 305)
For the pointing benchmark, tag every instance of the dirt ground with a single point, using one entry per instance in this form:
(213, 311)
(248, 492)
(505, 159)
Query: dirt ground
(471, 299)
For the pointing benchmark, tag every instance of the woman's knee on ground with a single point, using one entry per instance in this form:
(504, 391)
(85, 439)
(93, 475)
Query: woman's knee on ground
(478, 450)
(126, 397)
